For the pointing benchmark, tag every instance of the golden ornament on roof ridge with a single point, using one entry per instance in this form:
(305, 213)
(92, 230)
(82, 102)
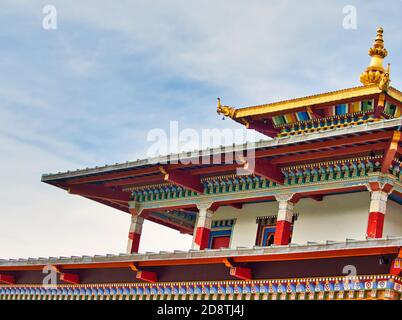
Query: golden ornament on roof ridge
(375, 72)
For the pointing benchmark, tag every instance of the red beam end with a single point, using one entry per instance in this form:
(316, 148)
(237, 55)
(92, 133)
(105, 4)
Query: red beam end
(185, 180)
(265, 169)
(241, 273)
(6, 279)
(317, 197)
(396, 267)
(391, 151)
(70, 278)
(265, 128)
(237, 205)
(147, 276)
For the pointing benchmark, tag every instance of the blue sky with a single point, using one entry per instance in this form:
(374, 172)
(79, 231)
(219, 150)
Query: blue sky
(88, 93)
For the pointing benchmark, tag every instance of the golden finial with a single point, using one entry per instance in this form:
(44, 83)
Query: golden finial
(225, 110)
(375, 72)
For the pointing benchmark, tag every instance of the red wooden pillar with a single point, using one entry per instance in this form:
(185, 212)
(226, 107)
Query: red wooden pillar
(284, 219)
(378, 206)
(202, 227)
(134, 234)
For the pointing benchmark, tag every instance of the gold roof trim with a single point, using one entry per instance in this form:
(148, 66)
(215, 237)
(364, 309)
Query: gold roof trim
(395, 93)
(322, 98)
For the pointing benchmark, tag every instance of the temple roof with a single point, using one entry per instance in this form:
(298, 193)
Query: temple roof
(122, 185)
(311, 250)
(272, 118)
(345, 126)
(186, 156)
(313, 100)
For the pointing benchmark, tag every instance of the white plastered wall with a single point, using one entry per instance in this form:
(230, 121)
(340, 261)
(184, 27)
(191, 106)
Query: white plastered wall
(336, 218)
(393, 219)
(245, 228)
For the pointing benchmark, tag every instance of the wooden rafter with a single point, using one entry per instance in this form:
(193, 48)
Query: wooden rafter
(330, 153)
(265, 168)
(391, 151)
(183, 179)
(100, 192)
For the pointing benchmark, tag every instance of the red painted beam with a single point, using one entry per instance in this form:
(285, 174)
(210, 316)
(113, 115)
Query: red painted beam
(6, 279)
(317, 197)
(259, 154)
(184, 180)
(266, 169)
(266, 128)
(216, 169)
(380, 105)
(147, 276)
(114, 175)
(131, 181)
(396, 266)
(70, 278)
(331, 153)
(237, 205)
(100, 192)
(241, 273)
(341, 142)
(391, 151)
(315, 113)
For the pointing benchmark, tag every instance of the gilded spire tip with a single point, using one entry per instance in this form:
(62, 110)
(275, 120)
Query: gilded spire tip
(375, 72)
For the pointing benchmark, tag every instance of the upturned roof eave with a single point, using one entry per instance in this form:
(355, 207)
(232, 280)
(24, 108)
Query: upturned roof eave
(314, 100)
(173, 158)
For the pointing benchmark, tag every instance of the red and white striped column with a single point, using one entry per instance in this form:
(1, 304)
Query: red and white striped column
(378, 207)
(202, 227)
(134, 234)
(284, 219)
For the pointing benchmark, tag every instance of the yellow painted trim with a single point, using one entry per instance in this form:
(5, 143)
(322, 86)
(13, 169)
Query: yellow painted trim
(395, 93)
(309, 101)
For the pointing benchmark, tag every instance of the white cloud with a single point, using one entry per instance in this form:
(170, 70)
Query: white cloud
(41, 220)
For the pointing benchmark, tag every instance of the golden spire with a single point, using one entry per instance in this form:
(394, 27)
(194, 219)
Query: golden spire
(375, 72)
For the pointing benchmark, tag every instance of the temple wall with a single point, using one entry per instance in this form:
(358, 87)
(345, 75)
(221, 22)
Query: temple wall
(393, 219)
(335, 218)
(245, 229)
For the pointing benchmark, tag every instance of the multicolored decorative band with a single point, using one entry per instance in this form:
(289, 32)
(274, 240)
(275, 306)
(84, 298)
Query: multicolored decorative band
(325, 288)
(309, 173)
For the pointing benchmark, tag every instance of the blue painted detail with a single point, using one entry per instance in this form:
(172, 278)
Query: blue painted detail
(198, 290)
(273, 288)
(229, 289)
(396, 198)
(281, 288)
(340, 109)
(214, 289)
(303, 116)
(266, 232)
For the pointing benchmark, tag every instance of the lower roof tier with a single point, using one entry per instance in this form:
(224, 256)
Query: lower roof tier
(369, 257)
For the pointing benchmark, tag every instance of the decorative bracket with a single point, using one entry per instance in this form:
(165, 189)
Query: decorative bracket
(396, 266)
(71, 278)
(7, 279)
(238, 272)
(147, 276)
